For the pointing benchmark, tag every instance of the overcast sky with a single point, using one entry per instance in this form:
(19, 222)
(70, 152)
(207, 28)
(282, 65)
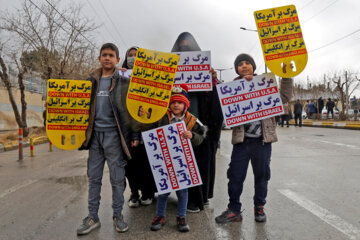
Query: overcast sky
(155, 24)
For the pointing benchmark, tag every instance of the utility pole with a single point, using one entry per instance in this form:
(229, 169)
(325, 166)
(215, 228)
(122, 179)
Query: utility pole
(222, 69)
(346, 92)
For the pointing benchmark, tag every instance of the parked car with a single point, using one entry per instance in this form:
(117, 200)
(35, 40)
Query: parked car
(303, 115)
(350, 113)
(324, 114)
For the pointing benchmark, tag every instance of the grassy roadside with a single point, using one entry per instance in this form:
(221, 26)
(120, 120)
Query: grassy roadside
(8, 137)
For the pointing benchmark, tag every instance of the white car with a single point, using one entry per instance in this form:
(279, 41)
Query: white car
(324, 114)
(303, 115)
(350, 114)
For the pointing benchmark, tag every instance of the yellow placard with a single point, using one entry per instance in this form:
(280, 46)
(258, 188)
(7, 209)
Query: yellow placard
(151, 82)
(282, 40)
(67, 112)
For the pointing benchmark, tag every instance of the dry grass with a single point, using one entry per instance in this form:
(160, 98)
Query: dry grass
(10, 136)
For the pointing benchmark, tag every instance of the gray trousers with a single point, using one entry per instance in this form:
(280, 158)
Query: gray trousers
(106, 146)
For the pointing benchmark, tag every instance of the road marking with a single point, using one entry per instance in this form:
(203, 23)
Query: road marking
(346, 228)
(16, 187)
(340, 144)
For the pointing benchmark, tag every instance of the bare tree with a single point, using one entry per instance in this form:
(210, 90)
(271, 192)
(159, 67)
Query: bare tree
(60, 37)
(52, 41)
(346, 83)
(20, 118)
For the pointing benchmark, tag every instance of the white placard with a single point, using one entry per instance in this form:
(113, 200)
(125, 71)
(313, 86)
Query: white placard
(194, 71)
(171, 158)
(245, 101)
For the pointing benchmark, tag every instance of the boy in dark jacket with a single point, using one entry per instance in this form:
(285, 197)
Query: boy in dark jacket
(107, 137)
(251, 142)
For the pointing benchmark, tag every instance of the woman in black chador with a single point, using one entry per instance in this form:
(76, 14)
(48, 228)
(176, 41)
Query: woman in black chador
(205, 106)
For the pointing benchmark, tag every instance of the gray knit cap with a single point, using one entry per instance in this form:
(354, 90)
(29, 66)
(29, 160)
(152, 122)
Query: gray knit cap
(244, 57)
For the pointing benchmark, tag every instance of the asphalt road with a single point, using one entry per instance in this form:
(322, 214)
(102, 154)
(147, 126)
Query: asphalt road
(314, 193)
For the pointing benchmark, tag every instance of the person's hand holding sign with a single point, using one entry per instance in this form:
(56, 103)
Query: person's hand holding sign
(134, 143)
(248, 77)
(187, 134)
(213, 73)
(284, 67)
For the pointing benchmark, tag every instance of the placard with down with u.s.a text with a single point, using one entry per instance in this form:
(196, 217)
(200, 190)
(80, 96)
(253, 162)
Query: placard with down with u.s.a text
(245, 101)
(171, 158)
(194, 70)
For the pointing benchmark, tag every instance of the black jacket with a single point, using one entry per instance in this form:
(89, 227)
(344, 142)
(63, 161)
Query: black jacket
(330, 105)
(298, 108)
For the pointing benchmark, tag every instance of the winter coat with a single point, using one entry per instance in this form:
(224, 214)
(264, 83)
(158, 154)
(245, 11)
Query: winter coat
(198, 131)
(312, 108)
(320, 104)
(287, 110)
(268, 125)
(117, 94)
(330, 105)
(297, 108)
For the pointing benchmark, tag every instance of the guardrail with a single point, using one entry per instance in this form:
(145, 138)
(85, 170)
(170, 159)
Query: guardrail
(331, 124)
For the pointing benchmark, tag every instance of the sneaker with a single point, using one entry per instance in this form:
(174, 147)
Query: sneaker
(146, 202)
(157, 223)
(192, 208)
(88, 225)
(260, 215)
(119, 224)
(228, 216)
(133, 201)
(207, 203)
(182, 226)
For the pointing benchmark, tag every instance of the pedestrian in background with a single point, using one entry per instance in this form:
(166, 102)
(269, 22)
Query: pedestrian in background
(312, 110)
(330, 108)
(286, 116)
(306, 109)
(298, 113)
(320, 106)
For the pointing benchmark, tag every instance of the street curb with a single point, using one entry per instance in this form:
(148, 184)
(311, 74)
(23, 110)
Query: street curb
(15, 144)
(327, 124)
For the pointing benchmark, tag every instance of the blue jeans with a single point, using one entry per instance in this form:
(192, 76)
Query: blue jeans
(106, 146)
(182, 196)
(259, 153)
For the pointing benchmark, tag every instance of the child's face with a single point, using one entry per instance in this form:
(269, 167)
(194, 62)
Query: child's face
(245, 68)
(177, 108)
(108, 59)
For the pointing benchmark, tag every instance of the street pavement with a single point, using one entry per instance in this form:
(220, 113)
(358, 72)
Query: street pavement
(313, 194)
